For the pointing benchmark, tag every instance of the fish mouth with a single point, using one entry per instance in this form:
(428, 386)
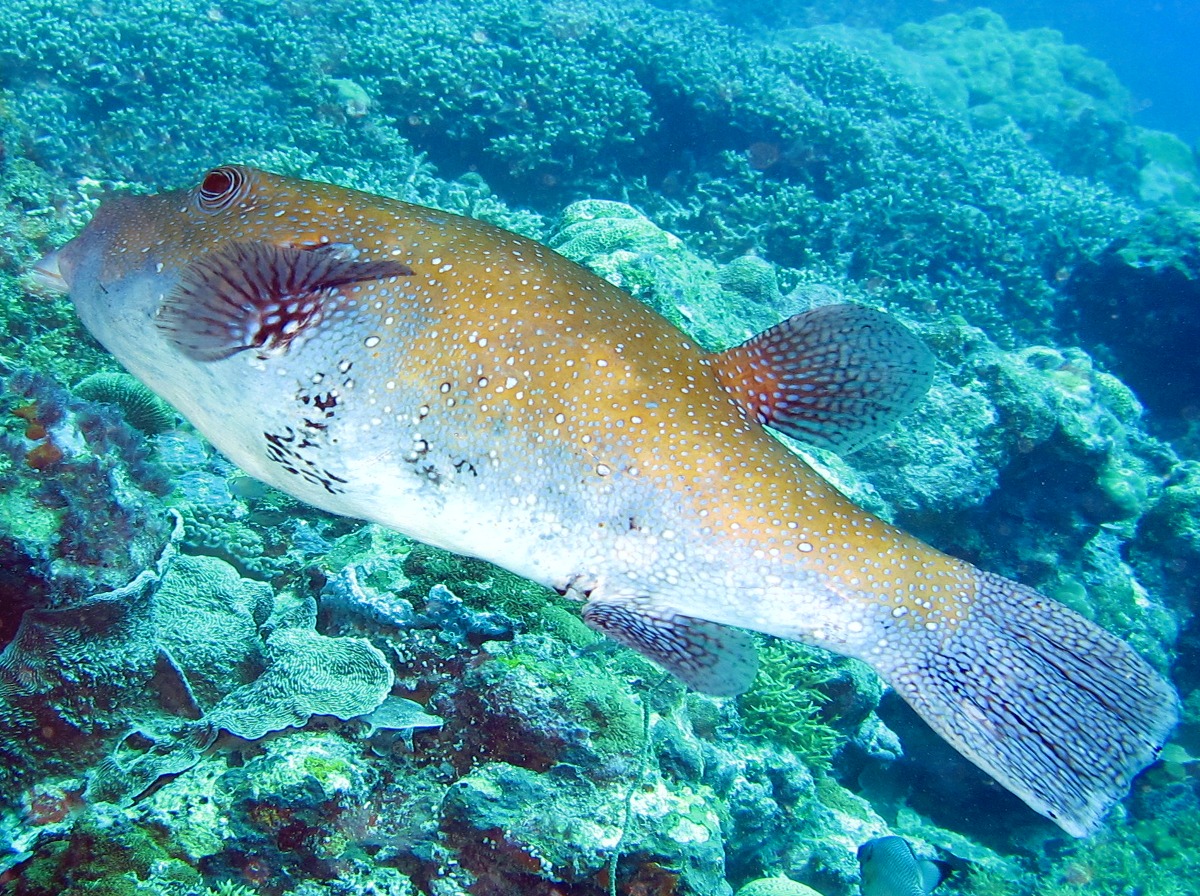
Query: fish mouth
(48, 275)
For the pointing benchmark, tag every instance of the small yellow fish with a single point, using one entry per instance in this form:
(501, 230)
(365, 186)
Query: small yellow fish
(479, 392)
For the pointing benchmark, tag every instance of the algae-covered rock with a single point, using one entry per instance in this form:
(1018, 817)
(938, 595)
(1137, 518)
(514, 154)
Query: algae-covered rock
(571, 834)
(626, 248)
(107, 856)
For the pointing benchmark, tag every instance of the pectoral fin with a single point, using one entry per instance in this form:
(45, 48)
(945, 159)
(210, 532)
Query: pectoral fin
(257, 295)
(711, 658)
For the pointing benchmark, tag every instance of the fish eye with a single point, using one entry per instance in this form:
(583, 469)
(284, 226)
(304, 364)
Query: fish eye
(220, 187)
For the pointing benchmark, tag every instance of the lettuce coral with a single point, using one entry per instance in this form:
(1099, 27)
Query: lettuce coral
(307, 674)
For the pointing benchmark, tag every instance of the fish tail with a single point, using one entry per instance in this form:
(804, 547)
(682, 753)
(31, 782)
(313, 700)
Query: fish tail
(1056, 709)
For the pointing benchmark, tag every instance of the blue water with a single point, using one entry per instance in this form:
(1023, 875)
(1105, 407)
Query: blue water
(1149, 44)
(208, 686)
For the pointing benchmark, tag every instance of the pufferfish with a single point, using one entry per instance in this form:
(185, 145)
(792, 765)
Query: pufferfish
(476, 391)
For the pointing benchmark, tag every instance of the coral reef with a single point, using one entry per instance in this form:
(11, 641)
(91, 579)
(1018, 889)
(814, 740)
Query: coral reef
(80, 497)
(1069, 103)
(123, 676)
(626, 248)
(269, 699)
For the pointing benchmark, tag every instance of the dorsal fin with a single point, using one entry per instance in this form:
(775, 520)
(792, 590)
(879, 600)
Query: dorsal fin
(834, 377)
(254, 295)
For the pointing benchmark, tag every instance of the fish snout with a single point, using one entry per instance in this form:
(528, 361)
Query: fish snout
(48, 274)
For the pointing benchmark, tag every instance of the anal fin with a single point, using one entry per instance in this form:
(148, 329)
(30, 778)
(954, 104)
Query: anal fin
(711, 658)
(257, 295)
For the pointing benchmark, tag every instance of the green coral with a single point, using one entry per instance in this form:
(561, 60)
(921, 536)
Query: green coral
(784, 705)
(595, 227)
(776, 886)
(533, 125)
(208, 616)
(602, 703)
(751, 279)
(142, 408)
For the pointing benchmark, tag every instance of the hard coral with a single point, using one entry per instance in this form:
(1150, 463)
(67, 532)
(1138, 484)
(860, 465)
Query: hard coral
(307, 674)
(142, 408)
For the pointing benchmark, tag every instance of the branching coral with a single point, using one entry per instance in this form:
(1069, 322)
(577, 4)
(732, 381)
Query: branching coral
(784, 706)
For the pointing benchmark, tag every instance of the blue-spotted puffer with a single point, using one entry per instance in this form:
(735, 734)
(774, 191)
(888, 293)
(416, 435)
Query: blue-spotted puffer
(477, 391)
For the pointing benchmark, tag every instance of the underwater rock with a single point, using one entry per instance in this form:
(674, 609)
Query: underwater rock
(532, 706)
(446, 612)
(1031, 462)
(783, 819)
(297, 808)
(1135, 306)
(105, 854)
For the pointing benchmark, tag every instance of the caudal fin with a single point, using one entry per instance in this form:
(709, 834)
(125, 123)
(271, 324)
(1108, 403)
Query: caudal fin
(1055, 708)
